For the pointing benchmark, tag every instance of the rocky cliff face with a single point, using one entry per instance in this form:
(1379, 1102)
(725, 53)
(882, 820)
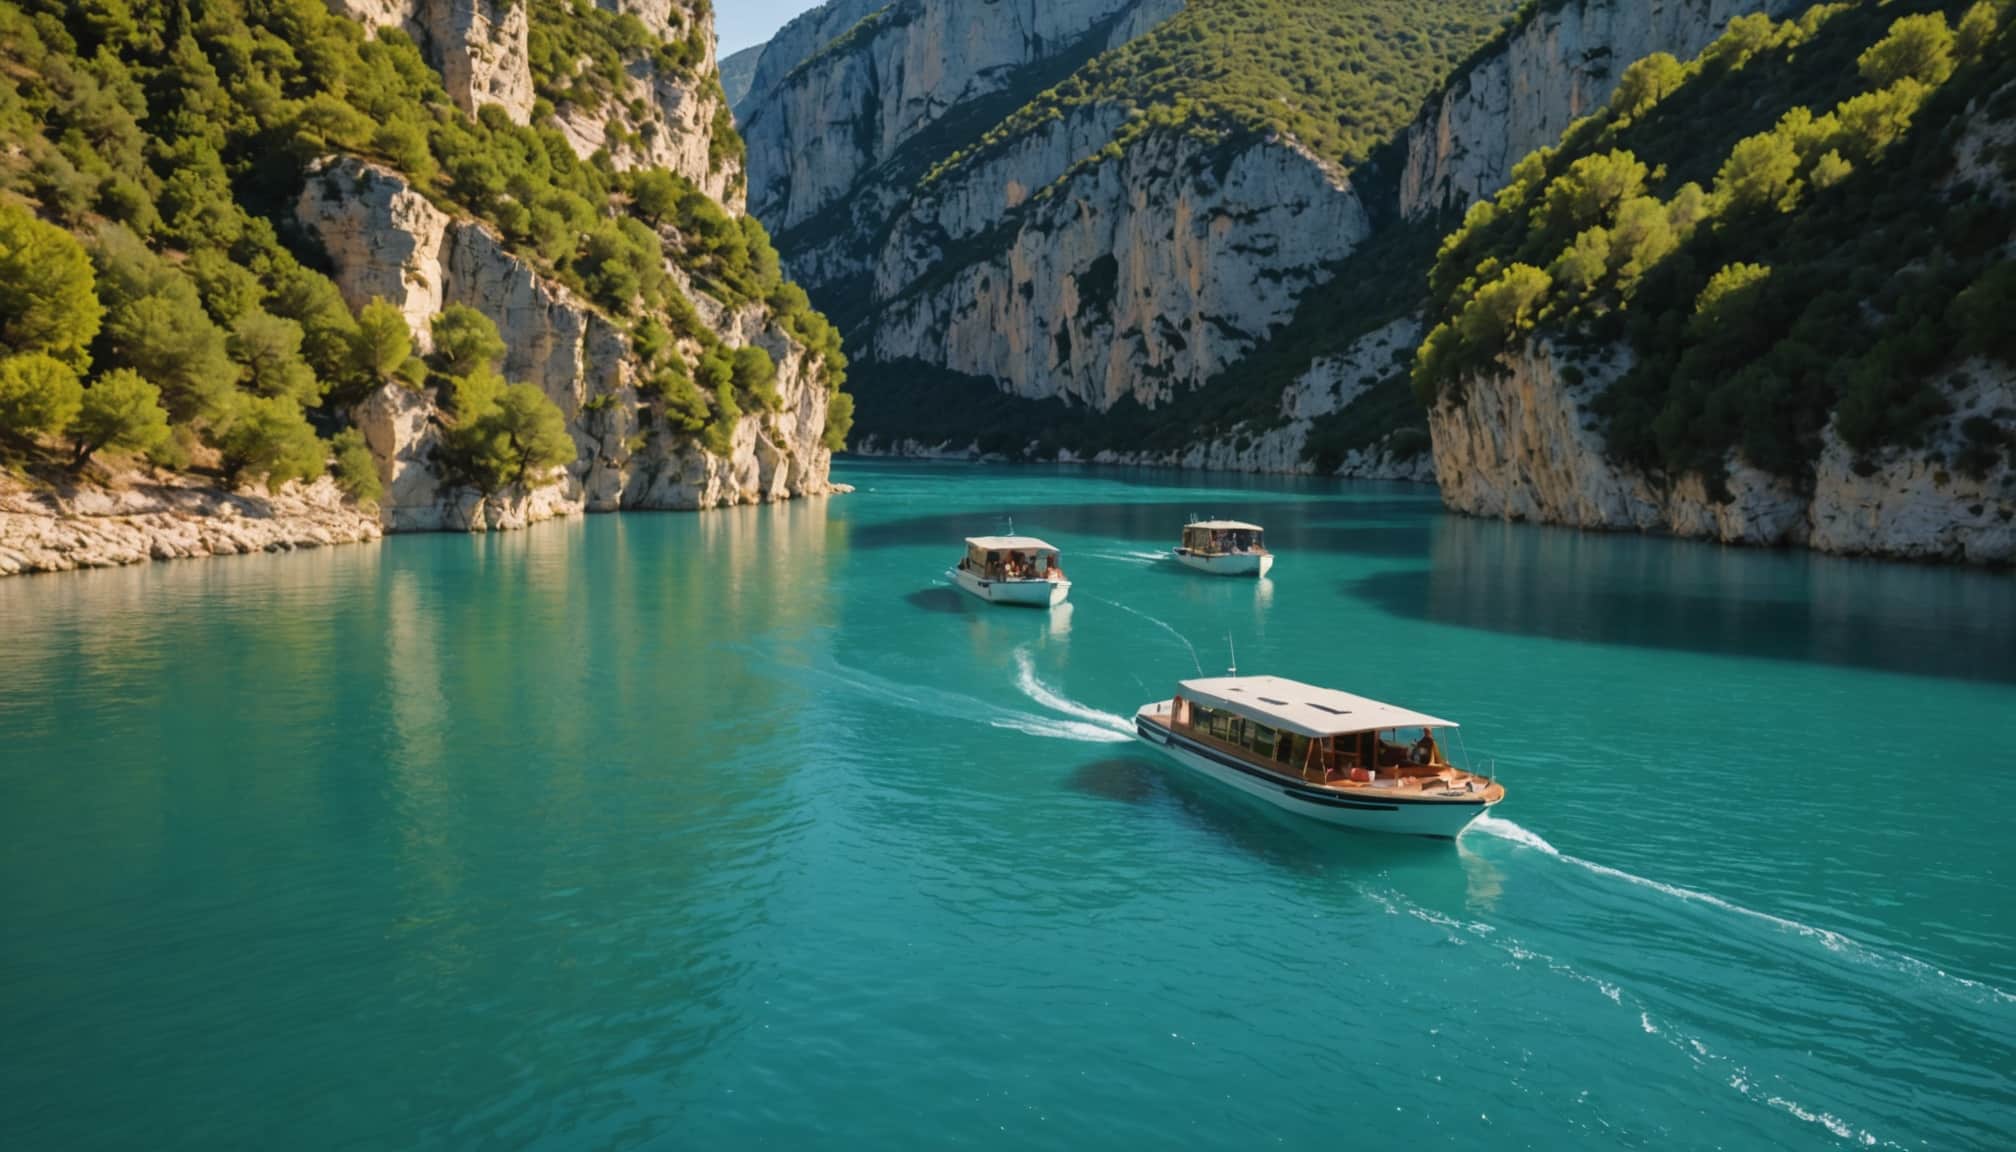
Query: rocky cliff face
(1140, 276)
(1051, 264)
(1562, 62)
(1523, 445)
(480, 47)
(822, 118)
(386, 240)
(663, 117)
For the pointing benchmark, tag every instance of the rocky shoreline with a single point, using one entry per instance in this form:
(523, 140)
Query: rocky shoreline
(167, 517)
(164, 516)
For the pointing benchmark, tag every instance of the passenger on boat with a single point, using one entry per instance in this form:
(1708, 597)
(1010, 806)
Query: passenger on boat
(1423, 751)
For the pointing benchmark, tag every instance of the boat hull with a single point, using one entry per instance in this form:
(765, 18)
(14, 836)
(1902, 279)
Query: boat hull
(1370, 812)
(1228, 563)
(1018, 593)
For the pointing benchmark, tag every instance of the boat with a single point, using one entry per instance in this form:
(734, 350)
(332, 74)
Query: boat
(1338, 758)
(1225, 548)
(1012, 570)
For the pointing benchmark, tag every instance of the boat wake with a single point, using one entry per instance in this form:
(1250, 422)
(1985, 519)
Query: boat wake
(1162, 624)
(1831, 940)
(1738, 1077)
(1089, 725)
(1112, 727)
(1142, 558)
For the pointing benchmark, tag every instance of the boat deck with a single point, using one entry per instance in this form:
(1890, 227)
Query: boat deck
(1412, 781)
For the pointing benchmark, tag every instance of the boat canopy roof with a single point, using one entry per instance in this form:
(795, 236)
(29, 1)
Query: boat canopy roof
(1008, 544)
(1225, 526)
(1304, 708)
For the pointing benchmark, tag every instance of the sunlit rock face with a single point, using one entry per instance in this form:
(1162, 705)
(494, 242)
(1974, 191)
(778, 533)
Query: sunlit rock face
(387, 241)
(1560, 66)
(1523, 444)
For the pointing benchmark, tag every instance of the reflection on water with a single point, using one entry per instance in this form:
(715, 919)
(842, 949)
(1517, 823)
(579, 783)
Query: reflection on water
(1655, 592)
(1366, 527)
(949, 601)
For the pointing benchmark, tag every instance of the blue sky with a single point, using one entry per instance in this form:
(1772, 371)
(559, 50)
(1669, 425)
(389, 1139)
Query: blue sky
(741, 23)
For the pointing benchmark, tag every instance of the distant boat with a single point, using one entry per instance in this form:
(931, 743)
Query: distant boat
(1328, 755)
(1225, 548)
(1012, 570)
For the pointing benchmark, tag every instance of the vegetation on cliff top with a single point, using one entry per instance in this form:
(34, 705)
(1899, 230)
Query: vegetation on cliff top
(1777, 231)
(153, 152)
(1339, 76)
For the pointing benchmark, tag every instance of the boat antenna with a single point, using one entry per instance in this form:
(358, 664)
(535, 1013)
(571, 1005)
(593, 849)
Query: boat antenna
(1234, 670)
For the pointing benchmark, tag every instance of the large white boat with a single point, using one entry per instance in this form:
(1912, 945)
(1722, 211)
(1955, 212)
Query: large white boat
(1012, 570)
(1328, 755)
(1225, 548)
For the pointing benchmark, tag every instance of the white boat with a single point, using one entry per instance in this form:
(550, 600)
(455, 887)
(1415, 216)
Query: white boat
(1328, 755)
(1225, 548)
(1012, 570)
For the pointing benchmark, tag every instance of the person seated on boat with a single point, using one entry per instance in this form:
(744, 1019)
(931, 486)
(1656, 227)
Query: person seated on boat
(1423, 751)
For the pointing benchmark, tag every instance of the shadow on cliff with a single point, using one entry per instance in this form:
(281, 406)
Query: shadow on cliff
(1383, 528)
(1657, 592)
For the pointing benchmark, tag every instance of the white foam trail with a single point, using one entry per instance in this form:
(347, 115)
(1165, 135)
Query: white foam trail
(957, 706)
(1162, 624)
(1060, 729)
(1041, 693)
(1833, 941)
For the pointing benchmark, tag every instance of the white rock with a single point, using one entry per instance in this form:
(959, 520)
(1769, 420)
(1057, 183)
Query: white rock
(1560, 66)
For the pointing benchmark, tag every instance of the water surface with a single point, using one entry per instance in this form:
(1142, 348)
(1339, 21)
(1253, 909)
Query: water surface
(744, 829)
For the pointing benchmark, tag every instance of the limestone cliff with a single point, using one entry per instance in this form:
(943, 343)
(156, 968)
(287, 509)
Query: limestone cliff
(662, 116)
(1559, 64)
(1522, 444)
(1140, 276)
(386, 240)
(479, 46)
(880, 76)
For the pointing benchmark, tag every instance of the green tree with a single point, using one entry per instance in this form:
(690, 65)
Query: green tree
(1590, 191)
(654, 194)
(46, 299)
(1728, 293)
(155, 324)
(1830, 169)
(755, 375)
(1645, 83)
(120, 409)
(1918, 48)
(1976, 31)
(381, 350)
(268, 437)
(356, 469)
(466, 340)
(534, 433)
(1761, 174)
(1982, 313)
(839, 421)
(39, 395)
(269, 347)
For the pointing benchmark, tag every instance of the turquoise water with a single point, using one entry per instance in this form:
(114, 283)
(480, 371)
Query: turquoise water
(742, 829)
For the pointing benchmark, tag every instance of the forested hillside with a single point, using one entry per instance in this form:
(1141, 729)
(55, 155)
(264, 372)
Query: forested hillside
(1084, 245)
(163, 296)
(1757, 275)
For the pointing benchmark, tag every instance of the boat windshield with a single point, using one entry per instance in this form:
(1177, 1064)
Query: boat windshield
(1220, 541)
(1392, 752)
(1013, 564)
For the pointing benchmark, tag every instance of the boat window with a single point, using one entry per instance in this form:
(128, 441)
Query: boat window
(1261, 740)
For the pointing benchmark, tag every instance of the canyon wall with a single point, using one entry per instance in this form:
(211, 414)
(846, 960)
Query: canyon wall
(1522, 444)
(387, 241)
(1558, 65)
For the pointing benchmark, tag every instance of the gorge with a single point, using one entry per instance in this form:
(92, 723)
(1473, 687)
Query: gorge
(1060, 241)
